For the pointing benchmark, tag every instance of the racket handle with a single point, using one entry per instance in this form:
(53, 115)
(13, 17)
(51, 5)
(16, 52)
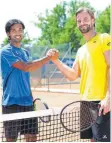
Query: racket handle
(99, 119)
(36, 99)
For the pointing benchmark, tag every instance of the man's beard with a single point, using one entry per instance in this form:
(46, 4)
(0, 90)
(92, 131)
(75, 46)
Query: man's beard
(86, 29)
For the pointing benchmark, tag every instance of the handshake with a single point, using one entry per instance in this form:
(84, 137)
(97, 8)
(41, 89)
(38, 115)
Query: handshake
(53, 54)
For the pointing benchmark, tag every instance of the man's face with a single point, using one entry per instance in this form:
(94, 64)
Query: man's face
(85, 22)
(16, 33)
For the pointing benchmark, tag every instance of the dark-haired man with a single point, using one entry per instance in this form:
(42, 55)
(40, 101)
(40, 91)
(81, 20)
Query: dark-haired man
(15, 68)
(92, 63)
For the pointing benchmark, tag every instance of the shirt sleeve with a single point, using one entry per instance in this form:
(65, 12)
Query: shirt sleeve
(76, 59)
(9, 57)
(106, 39)
(77, 56)
(29, 58)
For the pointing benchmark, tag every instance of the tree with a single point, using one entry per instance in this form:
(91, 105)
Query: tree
(5, 41)
(59, 25)
(24, 41)
(52, 25)
(103, 21)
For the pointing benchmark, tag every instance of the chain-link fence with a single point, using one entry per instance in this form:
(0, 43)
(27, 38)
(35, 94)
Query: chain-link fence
(49, 75)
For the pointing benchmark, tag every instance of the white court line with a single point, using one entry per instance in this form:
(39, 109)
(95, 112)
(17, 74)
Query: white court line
(56, 90)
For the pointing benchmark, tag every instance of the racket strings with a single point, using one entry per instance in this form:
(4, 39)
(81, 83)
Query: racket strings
(78, 116)
(71, 118)
(89, 113)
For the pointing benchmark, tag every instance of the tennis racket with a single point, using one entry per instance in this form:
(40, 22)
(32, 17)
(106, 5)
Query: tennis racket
(79, 116)
(39, 105)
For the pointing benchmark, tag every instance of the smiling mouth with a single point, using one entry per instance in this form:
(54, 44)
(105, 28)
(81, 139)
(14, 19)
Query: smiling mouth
(18, 37)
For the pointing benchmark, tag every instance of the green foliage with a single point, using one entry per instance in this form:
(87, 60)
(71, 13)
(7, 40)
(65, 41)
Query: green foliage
(103, 21)
(5, 42)
(59, 25)
(24, 41)
(52, 25)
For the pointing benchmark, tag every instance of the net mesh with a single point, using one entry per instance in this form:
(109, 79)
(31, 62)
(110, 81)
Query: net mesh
(14, 126)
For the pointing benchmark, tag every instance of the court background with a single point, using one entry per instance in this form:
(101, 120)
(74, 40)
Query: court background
(48, 83)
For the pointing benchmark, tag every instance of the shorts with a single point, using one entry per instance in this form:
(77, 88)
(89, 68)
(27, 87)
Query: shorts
(100, 131)
(22, 126)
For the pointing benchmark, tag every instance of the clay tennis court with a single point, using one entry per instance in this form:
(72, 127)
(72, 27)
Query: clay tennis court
(59, 99)
(56, 98)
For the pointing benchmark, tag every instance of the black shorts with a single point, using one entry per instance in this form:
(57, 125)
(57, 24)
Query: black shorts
(22, 126)
(99, 131)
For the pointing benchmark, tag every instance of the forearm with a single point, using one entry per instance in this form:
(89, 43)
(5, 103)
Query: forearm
(36, 64)
(68, 72)
(106, 103)
(109, 85)
(32, 66)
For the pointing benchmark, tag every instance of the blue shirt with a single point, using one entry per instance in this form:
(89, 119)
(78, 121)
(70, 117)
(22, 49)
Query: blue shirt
(17, 89)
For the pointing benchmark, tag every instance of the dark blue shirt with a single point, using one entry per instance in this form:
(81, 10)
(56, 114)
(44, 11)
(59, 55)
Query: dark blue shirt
(16, 83)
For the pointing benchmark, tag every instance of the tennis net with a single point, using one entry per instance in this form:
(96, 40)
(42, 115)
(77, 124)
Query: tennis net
(11, 126)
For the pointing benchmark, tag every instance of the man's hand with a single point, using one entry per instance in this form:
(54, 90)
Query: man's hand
(105, 106)
(53, 54)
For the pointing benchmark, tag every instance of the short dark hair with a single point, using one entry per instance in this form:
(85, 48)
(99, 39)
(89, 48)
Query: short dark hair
(11, 22)
(84, 9)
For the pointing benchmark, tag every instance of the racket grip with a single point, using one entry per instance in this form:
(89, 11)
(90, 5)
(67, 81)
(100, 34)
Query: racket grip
(34, 105)
(36, 99)
(99, 119)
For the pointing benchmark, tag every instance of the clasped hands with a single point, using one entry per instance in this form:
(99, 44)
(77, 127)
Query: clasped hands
(53, 54)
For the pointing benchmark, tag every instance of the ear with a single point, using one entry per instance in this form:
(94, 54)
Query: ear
(8, 35)
(93, 21)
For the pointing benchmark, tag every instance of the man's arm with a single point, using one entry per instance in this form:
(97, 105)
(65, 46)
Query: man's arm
(105, 103)
(32, 66)
(107, 57)
(71, 73)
